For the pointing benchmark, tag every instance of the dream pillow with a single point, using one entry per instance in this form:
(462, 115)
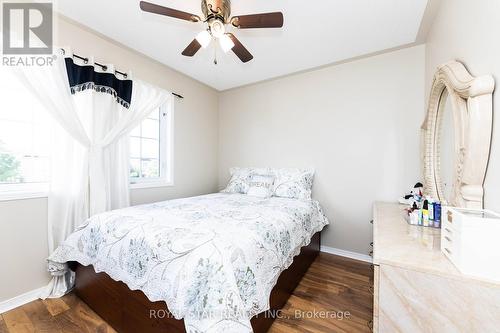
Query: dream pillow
(293, 183)
(261, 186)
(241, 177)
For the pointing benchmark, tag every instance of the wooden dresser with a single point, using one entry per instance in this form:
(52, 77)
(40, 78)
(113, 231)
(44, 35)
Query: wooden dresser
(417, 289)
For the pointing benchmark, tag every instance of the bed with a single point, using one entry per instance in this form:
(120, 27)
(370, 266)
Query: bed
(212, 263)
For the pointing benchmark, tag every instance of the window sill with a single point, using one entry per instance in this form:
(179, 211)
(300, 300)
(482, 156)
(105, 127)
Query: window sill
(12, 196)
(26, 195)
(151, 185)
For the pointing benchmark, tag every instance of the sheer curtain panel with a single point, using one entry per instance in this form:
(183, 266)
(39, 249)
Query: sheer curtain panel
(95, 110)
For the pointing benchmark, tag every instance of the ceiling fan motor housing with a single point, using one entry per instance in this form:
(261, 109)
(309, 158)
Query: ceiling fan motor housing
(220, 9)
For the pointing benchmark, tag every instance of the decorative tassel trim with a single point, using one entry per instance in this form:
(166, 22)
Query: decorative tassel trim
(99, 88)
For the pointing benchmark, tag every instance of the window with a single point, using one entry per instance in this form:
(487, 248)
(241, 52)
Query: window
(151, 150)
(24, 142)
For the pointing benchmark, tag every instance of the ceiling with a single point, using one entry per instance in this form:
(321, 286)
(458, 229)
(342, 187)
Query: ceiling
(326, 32)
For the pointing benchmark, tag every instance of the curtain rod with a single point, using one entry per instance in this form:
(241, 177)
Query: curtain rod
(104, 68)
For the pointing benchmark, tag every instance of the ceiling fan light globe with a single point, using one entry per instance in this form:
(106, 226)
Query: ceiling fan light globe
(226, 43)
(204, 38)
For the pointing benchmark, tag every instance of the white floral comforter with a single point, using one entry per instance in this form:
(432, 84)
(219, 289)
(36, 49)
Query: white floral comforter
(213, 259)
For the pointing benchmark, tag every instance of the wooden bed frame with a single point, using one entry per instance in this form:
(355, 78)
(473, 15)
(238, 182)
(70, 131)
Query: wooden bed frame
(130, 311)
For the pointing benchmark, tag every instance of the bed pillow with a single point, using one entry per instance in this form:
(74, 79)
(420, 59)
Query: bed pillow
(241, 177)
(293, 183)
(261, 186)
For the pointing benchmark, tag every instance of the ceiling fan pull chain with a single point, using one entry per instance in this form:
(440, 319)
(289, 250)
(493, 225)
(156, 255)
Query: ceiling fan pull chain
(215, 54)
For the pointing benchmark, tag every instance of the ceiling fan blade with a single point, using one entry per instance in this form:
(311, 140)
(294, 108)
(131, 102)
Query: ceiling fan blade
(265, 20)
(240, 50)
(157, 9)
(192, 48)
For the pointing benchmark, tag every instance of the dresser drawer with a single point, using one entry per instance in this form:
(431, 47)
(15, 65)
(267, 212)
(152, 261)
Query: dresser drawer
(375, 292)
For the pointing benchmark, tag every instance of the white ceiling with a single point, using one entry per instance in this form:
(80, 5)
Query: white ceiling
(329, 31)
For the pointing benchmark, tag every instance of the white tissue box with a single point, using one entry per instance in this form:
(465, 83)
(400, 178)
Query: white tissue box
(470, 238)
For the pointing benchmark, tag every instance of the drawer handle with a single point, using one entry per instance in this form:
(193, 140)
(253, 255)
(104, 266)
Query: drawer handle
(449, 252)
(370, 325)
(448, 230)
(371, 290)
(448, 239)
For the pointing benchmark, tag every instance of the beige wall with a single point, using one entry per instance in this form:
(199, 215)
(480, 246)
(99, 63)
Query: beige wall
(468, 31)
(356, 123)
(23, 223)
(23, 246)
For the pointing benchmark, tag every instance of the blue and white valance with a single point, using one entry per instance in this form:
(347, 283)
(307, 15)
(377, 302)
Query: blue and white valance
(85, 77)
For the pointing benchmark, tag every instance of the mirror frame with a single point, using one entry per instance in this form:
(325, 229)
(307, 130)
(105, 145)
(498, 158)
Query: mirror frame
(471, 100)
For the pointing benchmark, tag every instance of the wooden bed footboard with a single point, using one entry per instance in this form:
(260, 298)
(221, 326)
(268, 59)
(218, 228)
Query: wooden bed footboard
(129, 311)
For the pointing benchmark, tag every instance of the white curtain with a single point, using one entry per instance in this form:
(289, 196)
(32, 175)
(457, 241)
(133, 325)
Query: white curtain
(89, 169)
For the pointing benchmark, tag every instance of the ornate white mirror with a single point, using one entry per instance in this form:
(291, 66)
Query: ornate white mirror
(457, 134)
(447, 148)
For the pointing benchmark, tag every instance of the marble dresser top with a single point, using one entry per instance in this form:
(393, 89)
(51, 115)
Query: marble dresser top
(397, 243)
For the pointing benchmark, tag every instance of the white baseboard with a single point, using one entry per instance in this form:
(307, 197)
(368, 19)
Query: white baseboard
(348, 254)
(17, 301)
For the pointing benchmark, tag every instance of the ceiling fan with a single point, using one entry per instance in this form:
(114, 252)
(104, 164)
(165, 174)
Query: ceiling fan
(217, 15)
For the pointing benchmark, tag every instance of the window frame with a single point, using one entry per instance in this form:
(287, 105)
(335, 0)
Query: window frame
(166, 142)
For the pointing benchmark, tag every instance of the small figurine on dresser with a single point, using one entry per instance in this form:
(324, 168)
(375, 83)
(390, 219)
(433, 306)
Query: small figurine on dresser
(422, 210)
(415, 196)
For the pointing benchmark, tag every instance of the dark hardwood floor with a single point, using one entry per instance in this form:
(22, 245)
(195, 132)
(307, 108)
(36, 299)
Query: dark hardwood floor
(333, 296)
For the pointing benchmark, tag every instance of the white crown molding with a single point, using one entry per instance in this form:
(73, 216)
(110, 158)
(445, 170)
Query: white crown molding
(20, 300)
(347, 254)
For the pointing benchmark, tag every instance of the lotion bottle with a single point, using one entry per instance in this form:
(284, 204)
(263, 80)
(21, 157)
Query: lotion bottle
(431, 211)
(425, 213)
(437, 214)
